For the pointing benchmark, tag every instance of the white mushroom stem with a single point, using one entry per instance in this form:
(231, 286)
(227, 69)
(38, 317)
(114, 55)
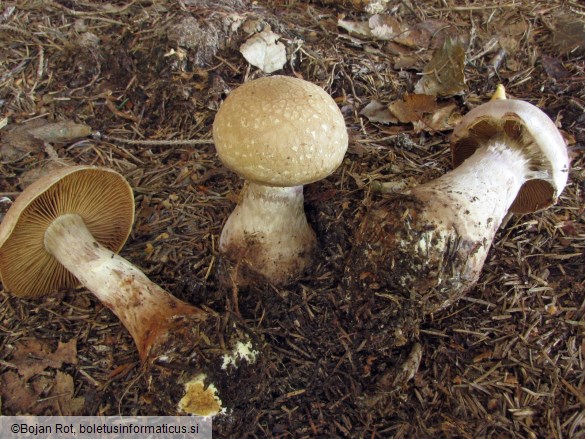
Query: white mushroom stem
(268, 232)
(145, 309)
(430, 243)
(473, 199)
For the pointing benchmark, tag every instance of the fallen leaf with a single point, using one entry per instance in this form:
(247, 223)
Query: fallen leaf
(16, 395)
(412, 107)
(379, 27)
(443, 118)
(17, 141)
(43, 168)
(59, 399)
(415, 38)
(554, 68)
(32, 356)
(361, 28)
(439, 31)
(44, 396)
(377, 112)
(61, 132)
(405, 62)
(66, 352)
(263, 50)
(420, 35)
(384, 27)
(569, 35)
(443, 75)
(369, 6)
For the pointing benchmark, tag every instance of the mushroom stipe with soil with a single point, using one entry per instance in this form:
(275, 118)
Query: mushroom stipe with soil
(419, 251)
(65, 230)
(279, 133)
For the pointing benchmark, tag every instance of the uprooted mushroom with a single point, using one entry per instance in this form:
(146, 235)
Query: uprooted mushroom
(279, 133)
(65, 230)
(419, 251)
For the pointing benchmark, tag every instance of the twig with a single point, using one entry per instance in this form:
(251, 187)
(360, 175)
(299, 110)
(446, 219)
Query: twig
(154, 142)
(474, 8)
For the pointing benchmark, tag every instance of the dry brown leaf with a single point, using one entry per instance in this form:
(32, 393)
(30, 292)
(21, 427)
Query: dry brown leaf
(16, 395)
(554, 68)
(405, 62)
(28, 138)
(361, 28)
(415, 38)
(420, 35)
(412, 107)
(569, 35)
(443, 75)
(59, 399)
(17, 141)
(443, 118)
(384, 27)
(380, 27)
(44, 396)
(33, 356)
(61, 132)
(377, 112)
(440, 31)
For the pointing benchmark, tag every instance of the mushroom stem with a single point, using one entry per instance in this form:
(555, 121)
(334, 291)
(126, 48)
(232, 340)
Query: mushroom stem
(429, 243)
(65, 229)
(466, 202)
(145, 309)
(268, 231)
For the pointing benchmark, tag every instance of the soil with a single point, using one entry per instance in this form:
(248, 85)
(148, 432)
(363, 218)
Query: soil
(505, 360)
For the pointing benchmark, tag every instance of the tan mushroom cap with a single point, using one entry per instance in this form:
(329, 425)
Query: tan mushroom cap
(280, 131)
(103, 199)
(530, 130)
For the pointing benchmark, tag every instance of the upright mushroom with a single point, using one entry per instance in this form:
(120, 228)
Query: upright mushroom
(279, 133)
(65, 229)
(428, 245)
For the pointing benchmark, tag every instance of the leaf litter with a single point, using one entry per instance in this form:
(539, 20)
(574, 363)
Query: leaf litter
(30, 389)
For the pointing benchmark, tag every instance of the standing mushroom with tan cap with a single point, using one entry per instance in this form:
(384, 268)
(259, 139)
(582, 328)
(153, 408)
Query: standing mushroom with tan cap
(428, 245)
(279, 133)
(65, 230)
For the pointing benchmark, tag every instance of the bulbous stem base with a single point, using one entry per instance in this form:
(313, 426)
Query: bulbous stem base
(419, 251)
(268, 233)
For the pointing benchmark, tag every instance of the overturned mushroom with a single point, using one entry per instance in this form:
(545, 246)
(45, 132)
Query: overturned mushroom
(425, 248)
(279, 133)
(65, 229)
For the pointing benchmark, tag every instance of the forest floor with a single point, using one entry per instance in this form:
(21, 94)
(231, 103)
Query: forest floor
(505, 361)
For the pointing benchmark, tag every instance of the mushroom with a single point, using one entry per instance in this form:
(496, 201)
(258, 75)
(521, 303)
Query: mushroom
(428, 244)
(65, 230)
(278, 133)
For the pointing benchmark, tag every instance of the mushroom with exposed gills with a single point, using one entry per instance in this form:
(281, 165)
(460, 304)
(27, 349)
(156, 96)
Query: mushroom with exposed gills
(65, 230)
(279, 133)
(429, 244)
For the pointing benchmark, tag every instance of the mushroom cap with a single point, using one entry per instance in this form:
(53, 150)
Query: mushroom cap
(280, 131)
(527, 128)
(100, 196)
